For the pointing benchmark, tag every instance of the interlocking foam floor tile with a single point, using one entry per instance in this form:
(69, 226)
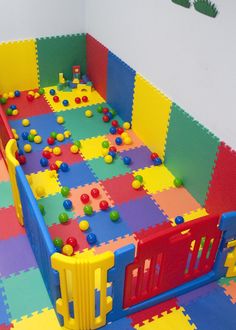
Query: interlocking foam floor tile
(18, 61)
(104, 171)
(52, 213)
(44, 125)
(20, 259)
(6, 327)
(46, 320)
(141, 213)
(83, 127)
(66, 155)
(47, 179)
(92, 148)
(6, 198)
(105, 229)
(9, 224)
(27, 108)
(78, 175)
(4, 308)
(78, 206)
(116, 244)
(136, 142)
(4, 172)
(124, 324)
(28, 299)
(156, 178)
(230, 290)
(176, 201)
(69, 229)
(201, 212)
(140, 157)
(120, 188)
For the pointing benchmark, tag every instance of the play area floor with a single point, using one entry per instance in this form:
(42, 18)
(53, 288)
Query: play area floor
(158, 201)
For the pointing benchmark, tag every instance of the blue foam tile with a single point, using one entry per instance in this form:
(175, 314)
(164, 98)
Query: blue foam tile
(44, 125)
(105, 229)
(79, 174)
(4, 309)
(124, 324)
(120, 86)
(212, 312)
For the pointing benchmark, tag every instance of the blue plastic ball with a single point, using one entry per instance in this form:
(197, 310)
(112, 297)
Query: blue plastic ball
(127, 160)
(25, 135)
(112, 130)
(52, 91)
(13, 107)
(58, 249)
(91, 238)
(20, 152)
(64, 167)
(110, 115)
(65, 103)
(179, 219)
(17, 93)
(157, 161)
(67, 204)
(44, 162)
(112, 154)
(118, 141)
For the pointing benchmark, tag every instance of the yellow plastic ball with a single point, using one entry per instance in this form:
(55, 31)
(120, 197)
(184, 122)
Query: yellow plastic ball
(47, 148)
(33, 132)
(37, 139)
(128, 140)
(67, 134)
(105, 152)
(40, 191)
(84, 225)
(11, 95)
(126, 125)
(74, 149)
(36, 95)
(25, 122)
(67, 250)
(60, 137)
(16, 136)
(124, 135)
(31, 93)
(88, 113)
(60, 120)
(5, 95)
(15, 112)
(136, 184)
(58, 163)
(56, 151)
(108, 159)
(27, 148)
(13, 130)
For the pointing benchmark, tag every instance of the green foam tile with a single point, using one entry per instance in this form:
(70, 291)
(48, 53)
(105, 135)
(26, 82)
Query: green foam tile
(6, 198)
(26, 293)
(190, 152)
(59, 54)
(104, 171)
(53, 206)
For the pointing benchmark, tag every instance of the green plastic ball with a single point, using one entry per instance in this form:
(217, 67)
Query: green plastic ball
(139, 178)
(105, 144)
(58, 242)
(42, 209)
(88, 210)
(3, 100)
(31, 138)
(114, 215)
(41, 91)
(178, 182)
(63, 217)
(77, 143)
(53, 135)
(9, 112)
(65, 191)
(113, 112)
(99, 109)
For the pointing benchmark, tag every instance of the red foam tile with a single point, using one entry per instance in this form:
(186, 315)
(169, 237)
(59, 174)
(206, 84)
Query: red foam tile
(149, 313)
(6, 327)
(139, 235)
(222, 190)
(120, 188)
(71, 228)
(97, 62)
(28, 109)
(66, 156)
(9, 224)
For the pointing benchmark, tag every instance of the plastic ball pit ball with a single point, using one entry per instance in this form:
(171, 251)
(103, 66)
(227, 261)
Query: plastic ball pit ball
(127, 140)
(17, 93)
(110, 115)
(91, 238)
(105, 144)
(44, 162)
(126, 125)
(53, 135)
(41, 91)
(88, 113)
(108, 159)
(139, 178)
(113, 148)
(127, 160)
(56, 99)
(105, 111)
(112, 130)
(60, 137)
(58, 242)
(30, 138)
(154, 155)
(178, 182)
(52, 92)
(65, 103)
(56, 151)
(67, 204)
(60, 120)
(24, 135)
(114, 215)
(120, 130)
(114, 123)
(136, 184)
(99, 109)
(103, 205)
(74, 149)
(67, 250)
(72, 241)
(179, 219)
(95, 193)
(118, 141)
(64, 167)
(54, 167)
(84, 225)
(46, 154)
(33, 131)
(27, 148)
(112, 154)
(63, 217)
(157, 161)
(30, 97)
(84, 198)
(106, 119)
(50, 140)
(25, 122)
(37, 139)
(77, 143)
(88, 210)
(85, 98)
(9, 112)
(65, 191)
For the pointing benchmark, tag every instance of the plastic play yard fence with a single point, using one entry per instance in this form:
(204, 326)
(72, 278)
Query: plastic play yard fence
(89, 290)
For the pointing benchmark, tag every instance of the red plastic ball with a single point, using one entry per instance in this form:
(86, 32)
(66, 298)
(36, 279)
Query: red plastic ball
(115, 123)
(95, 192)
(154, 155)
(30, 97)
(84, 198)
(77, 100)
(120, 130)
(105, 110)
(85, 98)
(54, 167)
(22, 159)
(105, 118)
(51, 140)
(56, 98)
(46, 154)
(113, 148)
(17, 155)
(72, 241)
(103, 205)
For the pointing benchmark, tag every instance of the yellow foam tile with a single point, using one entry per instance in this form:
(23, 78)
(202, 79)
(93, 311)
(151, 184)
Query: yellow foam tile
(46, 320)
(156, 178)
(176, 320)
(151, 112)
(92, 147)
(201, 212)
(18, 66)
(47, 179)
(93, 98)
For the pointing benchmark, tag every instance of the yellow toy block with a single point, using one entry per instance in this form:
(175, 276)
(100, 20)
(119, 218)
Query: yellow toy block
(84, 88)
(92, 148)
(18, 66)
(156, 178)
(151, 112)
(46, 181)
(61, 78)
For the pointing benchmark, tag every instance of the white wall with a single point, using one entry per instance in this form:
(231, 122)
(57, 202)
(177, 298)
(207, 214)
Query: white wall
(190, 56)
(22, 19)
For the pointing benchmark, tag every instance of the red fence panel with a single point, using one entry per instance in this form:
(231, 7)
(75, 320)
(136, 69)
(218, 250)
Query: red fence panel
(5, 131)
(169, 258)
